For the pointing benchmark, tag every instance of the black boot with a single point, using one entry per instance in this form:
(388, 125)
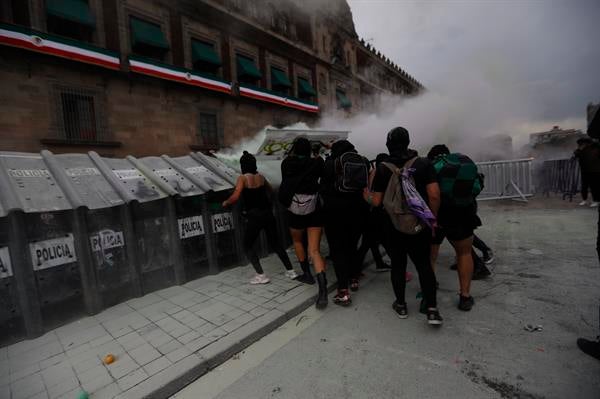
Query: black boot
(322, 297)
(306, 277)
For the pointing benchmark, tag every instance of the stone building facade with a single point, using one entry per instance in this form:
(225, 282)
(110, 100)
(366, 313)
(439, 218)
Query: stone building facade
(144, 77)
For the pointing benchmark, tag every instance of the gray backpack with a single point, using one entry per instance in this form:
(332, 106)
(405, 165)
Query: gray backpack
(394, 201)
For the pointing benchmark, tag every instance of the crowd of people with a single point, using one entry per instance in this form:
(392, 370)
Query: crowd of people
(403, 202)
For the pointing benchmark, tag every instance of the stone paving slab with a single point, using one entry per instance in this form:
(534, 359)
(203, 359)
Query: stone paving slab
(161, 341)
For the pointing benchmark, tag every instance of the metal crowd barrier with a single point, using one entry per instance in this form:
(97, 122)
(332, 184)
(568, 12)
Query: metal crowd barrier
(79, 232)
(510, 179)
(561, 176)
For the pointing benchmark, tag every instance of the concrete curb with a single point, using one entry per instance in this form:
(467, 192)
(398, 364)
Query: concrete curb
(174, 378)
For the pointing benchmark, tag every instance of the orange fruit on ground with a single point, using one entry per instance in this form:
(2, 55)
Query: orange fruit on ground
(108, 359)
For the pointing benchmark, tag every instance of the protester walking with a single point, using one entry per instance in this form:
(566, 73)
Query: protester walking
(457, 217)
(345, 178)
(588, 156)
(407, 187)
(255, 192)
(299, 193)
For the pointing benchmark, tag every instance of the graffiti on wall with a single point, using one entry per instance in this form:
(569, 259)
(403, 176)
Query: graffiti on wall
(102, 243)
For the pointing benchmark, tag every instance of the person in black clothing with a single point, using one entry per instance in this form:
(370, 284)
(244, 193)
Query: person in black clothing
(345, 215)
(371, 237)
(458, 225)
(298, 192)
(588, 155)
(400, 245)
(254, 189)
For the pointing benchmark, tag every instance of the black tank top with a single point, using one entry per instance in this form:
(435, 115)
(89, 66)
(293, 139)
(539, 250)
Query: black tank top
(256, 198)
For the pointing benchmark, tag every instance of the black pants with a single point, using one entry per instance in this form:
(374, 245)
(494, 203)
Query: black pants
(585, 185)
(257, 220)
(418, 248)
(371, 239)
(598, 236)
(591, 182)
(480, 245)
(343, 229)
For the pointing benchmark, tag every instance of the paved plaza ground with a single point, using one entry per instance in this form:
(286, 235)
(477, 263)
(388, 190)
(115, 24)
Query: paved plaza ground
(547, 273)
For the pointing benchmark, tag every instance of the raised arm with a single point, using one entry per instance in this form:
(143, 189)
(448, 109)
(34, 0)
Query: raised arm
(235, 196)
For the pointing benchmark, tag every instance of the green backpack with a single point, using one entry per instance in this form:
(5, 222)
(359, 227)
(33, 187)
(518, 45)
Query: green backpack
(459, 181)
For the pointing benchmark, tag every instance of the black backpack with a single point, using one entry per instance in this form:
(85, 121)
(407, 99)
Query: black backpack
(351, 173)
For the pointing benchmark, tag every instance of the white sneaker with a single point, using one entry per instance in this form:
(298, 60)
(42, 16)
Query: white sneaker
(594, 204)
(260, 279)
(291, 274)
(583, 203)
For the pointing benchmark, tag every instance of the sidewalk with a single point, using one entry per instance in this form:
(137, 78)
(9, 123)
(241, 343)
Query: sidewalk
(161, 341)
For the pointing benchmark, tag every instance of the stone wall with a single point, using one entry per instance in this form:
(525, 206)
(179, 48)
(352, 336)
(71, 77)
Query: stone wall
(145, 116)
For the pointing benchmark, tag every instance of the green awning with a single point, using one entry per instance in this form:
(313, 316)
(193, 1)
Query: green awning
(246, 67)
(279, 78)
(148, 34)
(77, 11)
(342, 99)
(304, 88)
(204, 52)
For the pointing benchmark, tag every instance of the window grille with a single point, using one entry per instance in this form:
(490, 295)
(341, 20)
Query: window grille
(208, 134)
(79, 115)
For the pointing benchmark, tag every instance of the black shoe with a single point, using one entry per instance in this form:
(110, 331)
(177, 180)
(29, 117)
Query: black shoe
(354, 284)
(589, 347)
(434, 318)
(383, 267)
(454, 266)
(322, 296)
(400, 309)
(465, 303)
(488, 257)
(306, 277)
(480, 272)
(342, 298)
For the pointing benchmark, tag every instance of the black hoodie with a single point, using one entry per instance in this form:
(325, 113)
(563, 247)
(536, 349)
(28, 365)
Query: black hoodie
(424, 173)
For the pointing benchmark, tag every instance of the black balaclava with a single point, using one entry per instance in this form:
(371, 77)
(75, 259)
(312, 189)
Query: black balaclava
(248, 163)
(397, 141)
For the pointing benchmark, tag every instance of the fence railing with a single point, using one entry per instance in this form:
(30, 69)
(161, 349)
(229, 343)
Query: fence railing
(560, 176)
(507, 179)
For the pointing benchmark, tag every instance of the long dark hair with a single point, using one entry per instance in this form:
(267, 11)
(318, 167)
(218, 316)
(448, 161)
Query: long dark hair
(248, 163)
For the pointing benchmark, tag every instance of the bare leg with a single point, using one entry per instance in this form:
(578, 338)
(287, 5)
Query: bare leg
(298, 246)
(464, 261)
(314, 248)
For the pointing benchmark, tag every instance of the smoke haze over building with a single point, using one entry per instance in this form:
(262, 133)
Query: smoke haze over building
(494, 67)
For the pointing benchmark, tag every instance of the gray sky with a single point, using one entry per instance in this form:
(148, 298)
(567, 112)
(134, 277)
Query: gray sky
(524, 65)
